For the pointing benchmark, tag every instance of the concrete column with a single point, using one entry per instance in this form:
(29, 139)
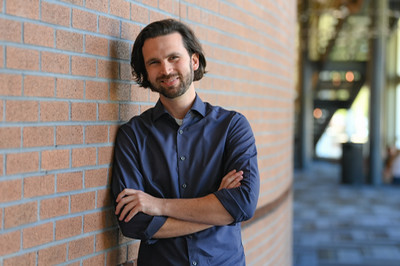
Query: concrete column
(380, 8)
(306, 135)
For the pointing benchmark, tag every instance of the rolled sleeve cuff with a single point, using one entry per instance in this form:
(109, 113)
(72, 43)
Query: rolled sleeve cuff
(156, 223)
(229, 202)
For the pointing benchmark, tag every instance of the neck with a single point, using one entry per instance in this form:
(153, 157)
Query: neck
(178, 107)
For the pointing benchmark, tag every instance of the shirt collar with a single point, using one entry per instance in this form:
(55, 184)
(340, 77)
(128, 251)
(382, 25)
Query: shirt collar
(199, 106)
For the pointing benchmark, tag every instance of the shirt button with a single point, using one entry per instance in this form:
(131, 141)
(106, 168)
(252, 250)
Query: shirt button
(180, 131)
(194, 263)
(184, 186)
(183, 158)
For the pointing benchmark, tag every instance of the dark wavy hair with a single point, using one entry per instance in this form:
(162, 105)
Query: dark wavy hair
(160, 28)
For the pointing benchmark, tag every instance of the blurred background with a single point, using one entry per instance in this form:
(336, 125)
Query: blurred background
(349, 82)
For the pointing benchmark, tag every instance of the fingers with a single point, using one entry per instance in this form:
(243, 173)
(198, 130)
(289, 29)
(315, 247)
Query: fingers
(125, 192)
(231, 180)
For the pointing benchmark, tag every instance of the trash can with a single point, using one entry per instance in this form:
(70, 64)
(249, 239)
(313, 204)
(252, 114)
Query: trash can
(352, 164)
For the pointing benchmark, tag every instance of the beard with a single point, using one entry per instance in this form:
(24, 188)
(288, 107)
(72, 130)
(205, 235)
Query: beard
(174, 91)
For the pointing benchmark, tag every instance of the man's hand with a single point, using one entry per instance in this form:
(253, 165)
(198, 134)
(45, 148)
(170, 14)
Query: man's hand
(231, 180)
(132, 201)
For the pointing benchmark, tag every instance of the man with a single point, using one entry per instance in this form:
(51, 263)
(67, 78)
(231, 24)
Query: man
(185, 172)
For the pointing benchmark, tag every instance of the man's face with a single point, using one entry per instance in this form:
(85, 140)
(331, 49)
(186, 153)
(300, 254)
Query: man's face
(168, 64)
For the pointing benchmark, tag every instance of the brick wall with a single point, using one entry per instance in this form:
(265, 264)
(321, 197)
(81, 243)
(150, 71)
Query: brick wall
(65, 87)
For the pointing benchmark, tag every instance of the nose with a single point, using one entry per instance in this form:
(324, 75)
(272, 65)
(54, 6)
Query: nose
(166, 68)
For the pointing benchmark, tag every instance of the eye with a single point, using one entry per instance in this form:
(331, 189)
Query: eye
(153, 62)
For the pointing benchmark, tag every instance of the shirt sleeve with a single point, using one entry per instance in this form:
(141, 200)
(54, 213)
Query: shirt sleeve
(241, 154)
(126, 174)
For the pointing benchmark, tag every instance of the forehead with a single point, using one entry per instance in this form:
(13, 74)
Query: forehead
(163, 45)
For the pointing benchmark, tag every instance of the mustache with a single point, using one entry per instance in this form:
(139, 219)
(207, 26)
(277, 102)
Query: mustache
(168, 76)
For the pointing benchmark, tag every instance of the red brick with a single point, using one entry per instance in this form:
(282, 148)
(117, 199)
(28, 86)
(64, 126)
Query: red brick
(17, 215)
(113, 132)
(83, 157)
(67, 135)
(1, 112)
(39, 186)
(1, 56)
(98, 5)
(129, 31)
(99, 220)
(127, 112)
(23, 8)
(10, 242)
(10, 190)
(75, 2)
(120, 49)
(84, 20)
(81, 247)
(106, 155)
(55, 159)
(10, 137)
(52, 255)
(125, 71)
(104, 198)
(69, 181)
(38, 136)
(22, 162)
(155, 15)
(37, 235)
(106, 240)
(54, 111)
(22, 111)
(55, 63)
(10, 30)
(116, 256)
(139, 13)
(167, 6)
(133, 251)
(84, 111)
(96, 134)
(96, 178)
(109, 26)
(120, 8)
(120, 91)
(70, 41)
(54, 207)
(38, 35)
(108, 69)
(69, 88)
(38, 86)
(83, 66)
(96, 90)
(108, 112)
(56, 14)
(96, 45)
(25, 259)
(96, 260)
(83, 202)
(139, 94)
(23, 59)
(68, 227)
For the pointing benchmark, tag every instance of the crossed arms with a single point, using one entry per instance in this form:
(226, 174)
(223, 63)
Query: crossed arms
(185, 216)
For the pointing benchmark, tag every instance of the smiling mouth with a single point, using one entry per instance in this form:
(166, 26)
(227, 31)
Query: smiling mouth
(170, 81)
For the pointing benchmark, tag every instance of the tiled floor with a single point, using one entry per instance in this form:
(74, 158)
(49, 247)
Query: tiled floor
(336, 224)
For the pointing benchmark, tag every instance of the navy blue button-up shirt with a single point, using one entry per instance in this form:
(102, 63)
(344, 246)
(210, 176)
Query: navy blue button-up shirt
(156, 155)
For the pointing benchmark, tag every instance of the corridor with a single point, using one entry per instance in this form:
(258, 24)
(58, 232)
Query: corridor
(337, 224)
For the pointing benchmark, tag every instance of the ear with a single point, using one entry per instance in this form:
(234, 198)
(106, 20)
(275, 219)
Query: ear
(195, 61)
